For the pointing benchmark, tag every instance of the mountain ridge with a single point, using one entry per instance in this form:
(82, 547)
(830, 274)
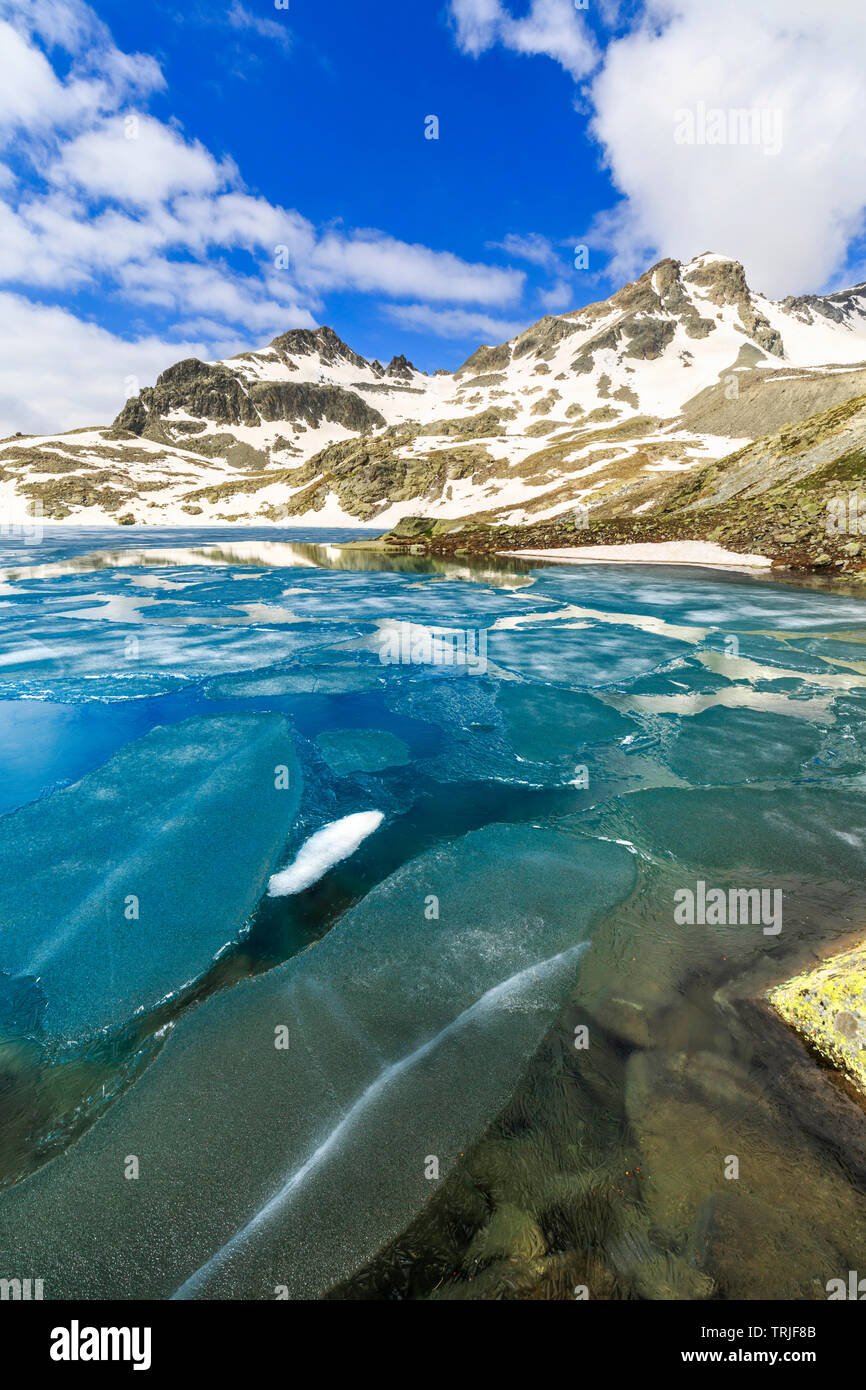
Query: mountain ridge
(602, 408)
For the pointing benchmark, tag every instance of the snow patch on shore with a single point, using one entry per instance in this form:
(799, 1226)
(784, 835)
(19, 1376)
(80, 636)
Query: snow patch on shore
(650, 553)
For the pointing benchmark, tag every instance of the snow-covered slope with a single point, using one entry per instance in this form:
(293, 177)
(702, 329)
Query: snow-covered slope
(605, 408)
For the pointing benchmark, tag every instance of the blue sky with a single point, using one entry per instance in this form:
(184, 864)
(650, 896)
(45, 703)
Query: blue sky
(324, 109)
(195, 177)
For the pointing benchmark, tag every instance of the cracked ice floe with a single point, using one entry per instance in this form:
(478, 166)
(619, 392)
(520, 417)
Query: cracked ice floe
(301, 680)
(721, 746)
(82, 659)
(741, 668)
(547, 723)
(419, 647)
(119, 891)
(327, 847)
(582, 658)
(641, 621)
(813, 831)
(819, 708)
(506, 995)
(361, 750)
(136, 608)
(406, 1032)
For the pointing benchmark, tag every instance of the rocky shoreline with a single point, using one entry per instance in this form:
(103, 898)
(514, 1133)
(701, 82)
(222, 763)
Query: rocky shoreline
(792, 496)
(791, 535)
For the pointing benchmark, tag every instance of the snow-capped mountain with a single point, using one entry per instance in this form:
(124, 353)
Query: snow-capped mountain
(605, 408)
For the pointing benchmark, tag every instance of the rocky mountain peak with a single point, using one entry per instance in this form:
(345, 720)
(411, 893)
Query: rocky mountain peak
(400, 369)
(609, 407)
(322, 342)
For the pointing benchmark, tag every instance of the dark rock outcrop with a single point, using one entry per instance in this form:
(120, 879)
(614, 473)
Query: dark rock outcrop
(213, 393)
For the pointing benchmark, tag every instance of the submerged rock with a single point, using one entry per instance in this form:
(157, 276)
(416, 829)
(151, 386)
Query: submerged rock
(827, 1007)
(723, 1160)
(510, 1233)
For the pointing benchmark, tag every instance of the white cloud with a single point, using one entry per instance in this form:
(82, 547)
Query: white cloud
(789, 216)
(373, 262)
(59, 240)
(240, 219)
(57, 372)
(552, 28)
(532, 247)
(136, 159)
(213, 293)
(452, 323)
(560, 296)
(240, 18)
(171, 257)
(788, 201)
(477, 23)
(68, 24)
(134, 210)
(33, 98)
(130, 206)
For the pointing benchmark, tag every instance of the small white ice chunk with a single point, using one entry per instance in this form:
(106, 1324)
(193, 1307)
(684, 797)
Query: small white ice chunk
(329, 846)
